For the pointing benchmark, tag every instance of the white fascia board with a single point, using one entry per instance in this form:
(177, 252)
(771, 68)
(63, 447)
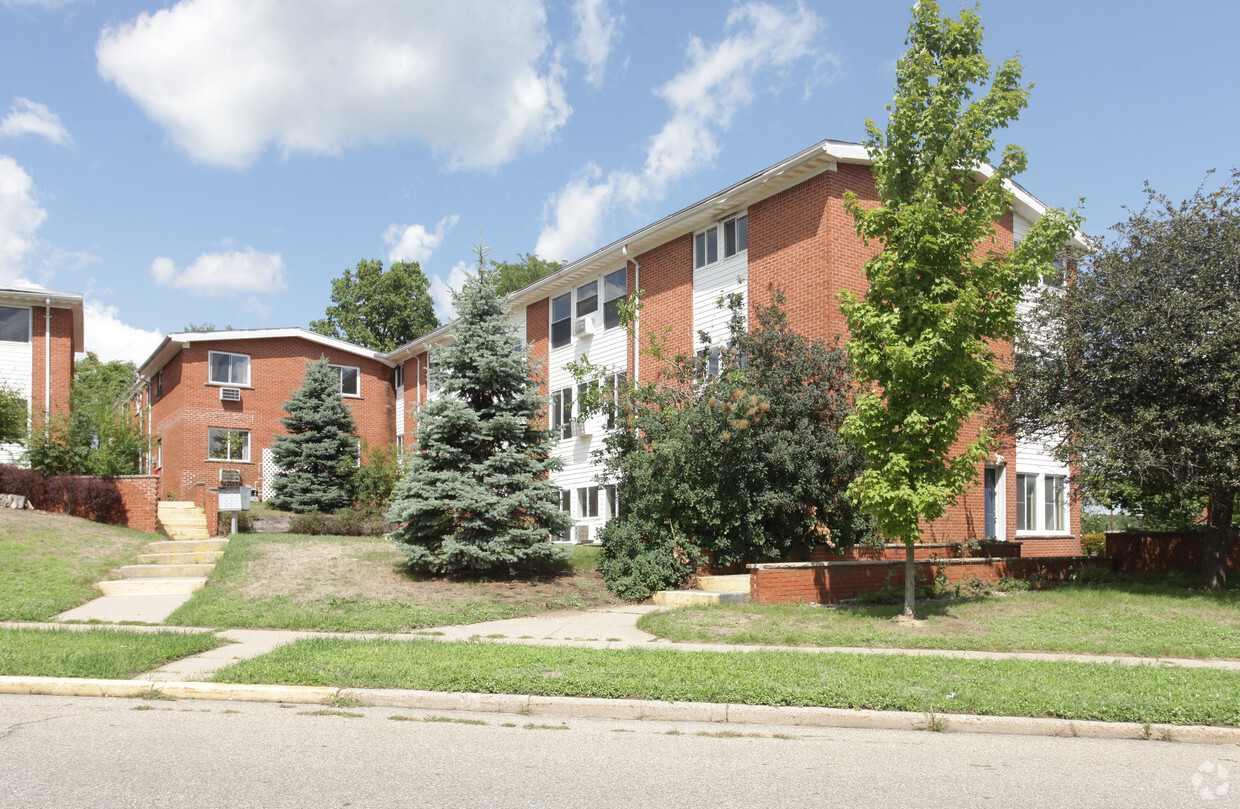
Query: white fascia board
(176, 341)
(35, 296)
(415, 347)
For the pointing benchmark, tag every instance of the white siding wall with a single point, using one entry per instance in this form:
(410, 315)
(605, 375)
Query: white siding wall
(607, 348)
(710, 283)
(16, 372)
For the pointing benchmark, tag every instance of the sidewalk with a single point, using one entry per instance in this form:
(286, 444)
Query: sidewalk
(608, 628)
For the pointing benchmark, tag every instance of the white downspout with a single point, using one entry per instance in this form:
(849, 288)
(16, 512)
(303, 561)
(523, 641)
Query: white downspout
(637, 315)
(47, 364)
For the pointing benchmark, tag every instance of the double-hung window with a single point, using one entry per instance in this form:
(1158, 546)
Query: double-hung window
(614, 289)
(735, 235)
(224, 444)
(615, 387)
(1053, 496)
(587, 501)
(229, 369)
(14, 324)
(587, 298)
(349, 379)
(561, 415)
(561, 320)
(398, 376)
(706, 248)
(1026, 502)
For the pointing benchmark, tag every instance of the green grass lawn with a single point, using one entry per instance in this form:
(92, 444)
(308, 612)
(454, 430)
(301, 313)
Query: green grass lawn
(1143, 619)
(346, 584)
(95, 653)
(48, 562)
(880, 682)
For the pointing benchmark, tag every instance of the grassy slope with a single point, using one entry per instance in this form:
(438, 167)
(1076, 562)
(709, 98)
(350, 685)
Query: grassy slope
(222, 603)
(1148, 620)
(880, 682)
(48, 562)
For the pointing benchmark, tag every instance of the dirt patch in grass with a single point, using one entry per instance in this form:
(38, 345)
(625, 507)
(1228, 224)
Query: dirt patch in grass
(374, 569)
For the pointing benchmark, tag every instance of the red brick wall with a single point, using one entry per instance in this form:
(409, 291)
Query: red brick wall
(538, 339)
(277, 365)
(140, 494)
(827, 582)
(667, 310)
(1052, 546)
(1162, 552)
(62, 361)
(803, 243)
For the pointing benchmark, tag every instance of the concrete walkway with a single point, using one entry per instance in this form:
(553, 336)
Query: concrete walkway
(143, 608)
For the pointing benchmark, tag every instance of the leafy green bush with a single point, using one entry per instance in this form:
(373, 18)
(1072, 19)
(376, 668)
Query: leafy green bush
(378, 475)
(1094, 544)
(1092, 574)
(735, 452)
(635, 563)
(1008, 584)
(315, 523)
(359, 521)
(244, 524)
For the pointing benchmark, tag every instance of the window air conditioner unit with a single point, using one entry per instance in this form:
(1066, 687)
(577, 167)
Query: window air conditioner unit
(581, 429)
(230, 477)
(230, 394)
(583, 327)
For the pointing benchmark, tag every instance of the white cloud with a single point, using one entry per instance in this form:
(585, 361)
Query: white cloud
(472, 79)
(596, 30)
(224, 274)
(415, 242)
(28, 117)
(442, 289)
(111, 339)
(717, 82)
(20, 217)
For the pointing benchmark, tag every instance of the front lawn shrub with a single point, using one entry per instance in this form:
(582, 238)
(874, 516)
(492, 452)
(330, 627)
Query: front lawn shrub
(636, 563)
(1094, 544)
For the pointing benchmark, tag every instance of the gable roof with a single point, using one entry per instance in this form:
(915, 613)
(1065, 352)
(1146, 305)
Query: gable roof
(174, 342)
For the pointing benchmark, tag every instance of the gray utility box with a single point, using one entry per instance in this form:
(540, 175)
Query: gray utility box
(235, 498)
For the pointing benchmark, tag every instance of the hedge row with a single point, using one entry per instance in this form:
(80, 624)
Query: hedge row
(93, 498)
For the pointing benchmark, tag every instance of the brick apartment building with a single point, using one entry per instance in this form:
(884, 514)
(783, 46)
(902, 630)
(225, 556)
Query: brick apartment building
(784, 228)
(40, 330)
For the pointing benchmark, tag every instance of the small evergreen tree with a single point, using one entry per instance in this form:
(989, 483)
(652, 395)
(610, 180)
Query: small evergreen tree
(477, 495)
(319, 456)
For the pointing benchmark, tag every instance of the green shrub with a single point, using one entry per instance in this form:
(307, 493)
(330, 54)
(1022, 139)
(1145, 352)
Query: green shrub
(973, 587)
(360, 521)
(376, 478)
(244, 524)
(1092, 574)
(636, 564)
(1094, 544)
(314, 523)
(1008, 584)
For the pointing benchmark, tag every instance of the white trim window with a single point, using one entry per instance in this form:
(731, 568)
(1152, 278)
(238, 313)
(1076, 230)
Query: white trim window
(734, 234)
(1053, 494)
(560, 413)
(398, 376)
(587, 501)
(1026, 502)
(562, 320)
(14, 324)
(615, 288)
(228, 369)
(227, 444)
(350, 379)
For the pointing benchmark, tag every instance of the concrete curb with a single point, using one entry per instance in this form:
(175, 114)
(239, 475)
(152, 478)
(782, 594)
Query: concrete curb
(630, 709)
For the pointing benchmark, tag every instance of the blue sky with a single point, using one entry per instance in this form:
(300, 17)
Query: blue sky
(223, 160)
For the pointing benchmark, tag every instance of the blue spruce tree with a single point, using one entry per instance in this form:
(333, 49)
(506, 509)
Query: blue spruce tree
(477, 495)
(319, 456)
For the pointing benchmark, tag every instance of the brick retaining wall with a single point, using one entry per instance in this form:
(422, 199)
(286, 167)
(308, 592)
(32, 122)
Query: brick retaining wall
(827, 582)
(1151, 552)
(140, 493)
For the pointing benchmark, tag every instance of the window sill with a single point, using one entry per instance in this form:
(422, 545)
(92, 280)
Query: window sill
(1035, 534)
(225, 460)
(226, 385)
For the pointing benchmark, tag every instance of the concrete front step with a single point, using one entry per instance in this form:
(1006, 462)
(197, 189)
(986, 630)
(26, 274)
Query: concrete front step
(736, 583)
(126, 587)
(187, 534)
(187, 546)
(165, 571)
(189, 558)
(693, 598)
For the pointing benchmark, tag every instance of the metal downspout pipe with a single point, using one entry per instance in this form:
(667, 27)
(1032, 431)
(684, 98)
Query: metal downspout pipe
(637, 315)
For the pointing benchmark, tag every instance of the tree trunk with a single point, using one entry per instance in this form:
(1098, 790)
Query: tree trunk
(910, 582)
(1217, 541)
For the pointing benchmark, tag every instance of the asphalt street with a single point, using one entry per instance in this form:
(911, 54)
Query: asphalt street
(107, 752)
